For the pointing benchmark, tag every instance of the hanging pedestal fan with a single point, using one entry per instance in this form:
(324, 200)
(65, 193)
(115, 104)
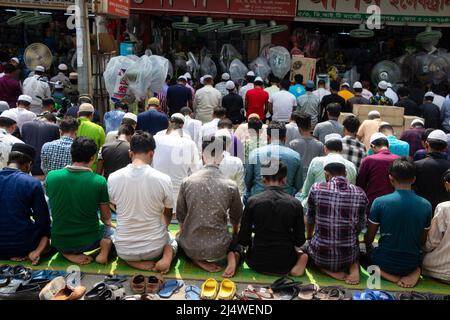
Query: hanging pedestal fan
(385, 70)
(185, 24)
(274, 28)
(361, 32)
(37, 54)
(19, 18)
(230, 26)
(210, 25)
(253, 27)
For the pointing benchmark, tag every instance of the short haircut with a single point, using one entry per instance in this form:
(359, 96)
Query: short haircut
(85, 114)
(23, 103)
(437, 145)
(336, 169)
(304, 121)
(381, 142)
(69, 125)
(426, 133)
(358, 90)
(255, 124)
(334, 109)
(386, 127)
(351, 124)
(48, 102)
(9, 68)
(225, 124)
(213, 144)
(321, 82)
(83, 149)
(335, 85)
(126, 130)
(334, 145)
(428, 98)
(295, 115)
(273, 78)
(185, 111)
(219, 112)
(402, 170)
(277, 127)
(403, 92)
(298, 78)
(250, 79)
(49, 117)
(447, 176)
(84, 99)
(19, 158)
(142, 142)
(285, 84)
(6, 122)
(279, 174)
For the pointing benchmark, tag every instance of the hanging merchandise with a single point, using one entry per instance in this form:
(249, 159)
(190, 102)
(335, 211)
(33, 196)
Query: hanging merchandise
(192, 65)
(238, 70)
(264, 52)
(227, 54)
(116, 84)
(261, 67)
(279, 61)
(208, 67)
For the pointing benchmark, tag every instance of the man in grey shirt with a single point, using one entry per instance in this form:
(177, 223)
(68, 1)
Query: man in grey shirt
(292, 131)
(307, 146)
(203, 202)
(309, 103)
(332, 125)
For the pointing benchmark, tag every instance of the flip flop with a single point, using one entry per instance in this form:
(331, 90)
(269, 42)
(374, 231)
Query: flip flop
(329, 293)
(210, 289)
(169, 288)
(288, 293)
(308, 291)
(413, 295)
(192, 293)
(284, 283)
(112, 279)
(262, 292)
(249, 295)
(227, 290)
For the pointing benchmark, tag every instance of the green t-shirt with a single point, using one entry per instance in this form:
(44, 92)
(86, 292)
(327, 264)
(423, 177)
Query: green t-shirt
(74, 198)
(92, 131)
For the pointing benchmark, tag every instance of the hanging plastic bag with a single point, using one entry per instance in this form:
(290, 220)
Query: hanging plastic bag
(115, 83)
(227, 54)
(208, 67)
(264, 52)
(192, 65)
(279, 61)
(238, 70)
(261, 67)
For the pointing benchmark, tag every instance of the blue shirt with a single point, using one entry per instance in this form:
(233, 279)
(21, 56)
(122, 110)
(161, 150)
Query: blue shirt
(297, 90)
(21, 198)
(289, 157)
(56, 155)
(403, 216)
(152, 121)
(396, 146)
(112, 120)
(177, 98)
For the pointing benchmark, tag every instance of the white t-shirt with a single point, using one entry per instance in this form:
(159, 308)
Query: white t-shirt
(140, 194)
(194, 127)
(178, 157)
(233, 168)
(209, 129)
(321, 92)
(438, 100)
(23, 115)
(283, 103)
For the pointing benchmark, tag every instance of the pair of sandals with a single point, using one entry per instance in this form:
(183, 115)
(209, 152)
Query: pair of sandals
(110, 289)
(212, 291)
(413, 295)
(286, 288)
(141, 284)
(256, 293)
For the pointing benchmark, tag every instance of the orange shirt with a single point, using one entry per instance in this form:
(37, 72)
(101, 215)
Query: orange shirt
(346, 94)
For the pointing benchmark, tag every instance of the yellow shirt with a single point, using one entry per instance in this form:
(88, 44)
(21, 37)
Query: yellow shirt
(346, 94)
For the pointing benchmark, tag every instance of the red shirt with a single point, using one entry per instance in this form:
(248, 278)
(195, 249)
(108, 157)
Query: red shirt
(256, 100)
(373, 175)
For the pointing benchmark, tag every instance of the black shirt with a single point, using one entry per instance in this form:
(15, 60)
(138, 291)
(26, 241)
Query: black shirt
(177, 98)
(431, 114)
(411, 108)
(276, 219)
(429, 178)
(234, 105)
(73, 112)
(326, 100)
(115, 156)
(36, 133)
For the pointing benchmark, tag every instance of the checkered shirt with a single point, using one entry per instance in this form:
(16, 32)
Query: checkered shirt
(353, 150)
(56, 155)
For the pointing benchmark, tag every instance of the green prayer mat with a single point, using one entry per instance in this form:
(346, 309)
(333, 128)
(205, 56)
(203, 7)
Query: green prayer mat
(185, 270)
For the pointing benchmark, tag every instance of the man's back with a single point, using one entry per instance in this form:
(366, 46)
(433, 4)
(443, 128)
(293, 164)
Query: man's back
(429, 178)
(411, 108)
(9, 90)
(297, 90)
(283, 104)
(23, 116)
(194, 128)
(413, 137)
(292, 132)
(206, 99)
(396, 146)
(6, 142)
(326, 100)
(367, 129)
(328, 127)
(152, 121)
(356, 100)
(353, 150)
(177, 98)
(92, 131)
(37, 90)
(75, 194)
(256, 100)
(141, 194)
(310, 104)
(36, 133)
(431, 114)
(234, 105)
(56, 154)
(115, 156)
(308, 148)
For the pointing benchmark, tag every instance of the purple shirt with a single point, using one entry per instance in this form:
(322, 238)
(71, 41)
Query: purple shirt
(9, 90)
(373, 176)
(414, 137)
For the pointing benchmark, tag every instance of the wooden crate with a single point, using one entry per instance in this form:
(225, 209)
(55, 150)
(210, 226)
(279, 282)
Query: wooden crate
(344, 115)
(386, 111)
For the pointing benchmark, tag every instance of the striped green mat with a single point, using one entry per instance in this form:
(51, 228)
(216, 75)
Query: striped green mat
(185, 270)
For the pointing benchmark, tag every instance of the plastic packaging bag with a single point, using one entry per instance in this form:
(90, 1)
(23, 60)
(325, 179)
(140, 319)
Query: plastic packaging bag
(264, 52)
(261, 67)
(208, 67)
(116, 84)
(238, 70)
(279, 61)
(192, 65)
(227, 54)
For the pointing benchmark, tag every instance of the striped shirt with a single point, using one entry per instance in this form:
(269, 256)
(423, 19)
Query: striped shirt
(337, 209)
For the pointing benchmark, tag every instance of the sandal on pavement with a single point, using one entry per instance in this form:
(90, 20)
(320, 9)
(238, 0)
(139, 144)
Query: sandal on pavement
(154, 284)
(227, 290)
(262, 292)
(210, 288)
(169, 288)
(284, 283)
(138, 284)
(308, 291)
(192, 293)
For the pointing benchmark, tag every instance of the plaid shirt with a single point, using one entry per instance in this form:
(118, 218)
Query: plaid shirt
(337, 209)
(353, 150)
(56, 155)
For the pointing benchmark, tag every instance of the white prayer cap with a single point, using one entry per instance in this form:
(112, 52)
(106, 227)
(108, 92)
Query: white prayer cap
(357, 85)
(62, 67)
(188, 76)
(225, 76)
(429, 94)
(259, 79)
(383, 85)
(4, 105)
(438, 135)
(376, 136)
(182, 78)
(25, 97)
(417, 121)
(15, 59)
(333, 136)
(131, 116)
(39, 69)
(201, 80)
(178, 116)
(10, 114)
(374, 113)
(207, 76)
(251, 74)
(230, 85)
(345, 84)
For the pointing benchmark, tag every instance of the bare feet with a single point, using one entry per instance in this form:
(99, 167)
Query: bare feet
(207, 266)
(299, 268)
(34, 257)
(142, 265)
(389, 277)
(163, 265)
(336, 275)
(18, 259)
(410, 280)
(353, 277)
(78, 258)
(105, 247)
(232, 260)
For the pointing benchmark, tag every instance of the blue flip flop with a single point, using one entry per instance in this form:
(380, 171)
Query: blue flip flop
(192, 293)
(169, 288)
(373, 295)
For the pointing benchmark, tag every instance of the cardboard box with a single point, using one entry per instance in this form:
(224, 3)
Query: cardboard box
(398, 130)
(107, 43)
(344, 115)
(393, 121)
(407, 121)
(304, 66)
(386, 111)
